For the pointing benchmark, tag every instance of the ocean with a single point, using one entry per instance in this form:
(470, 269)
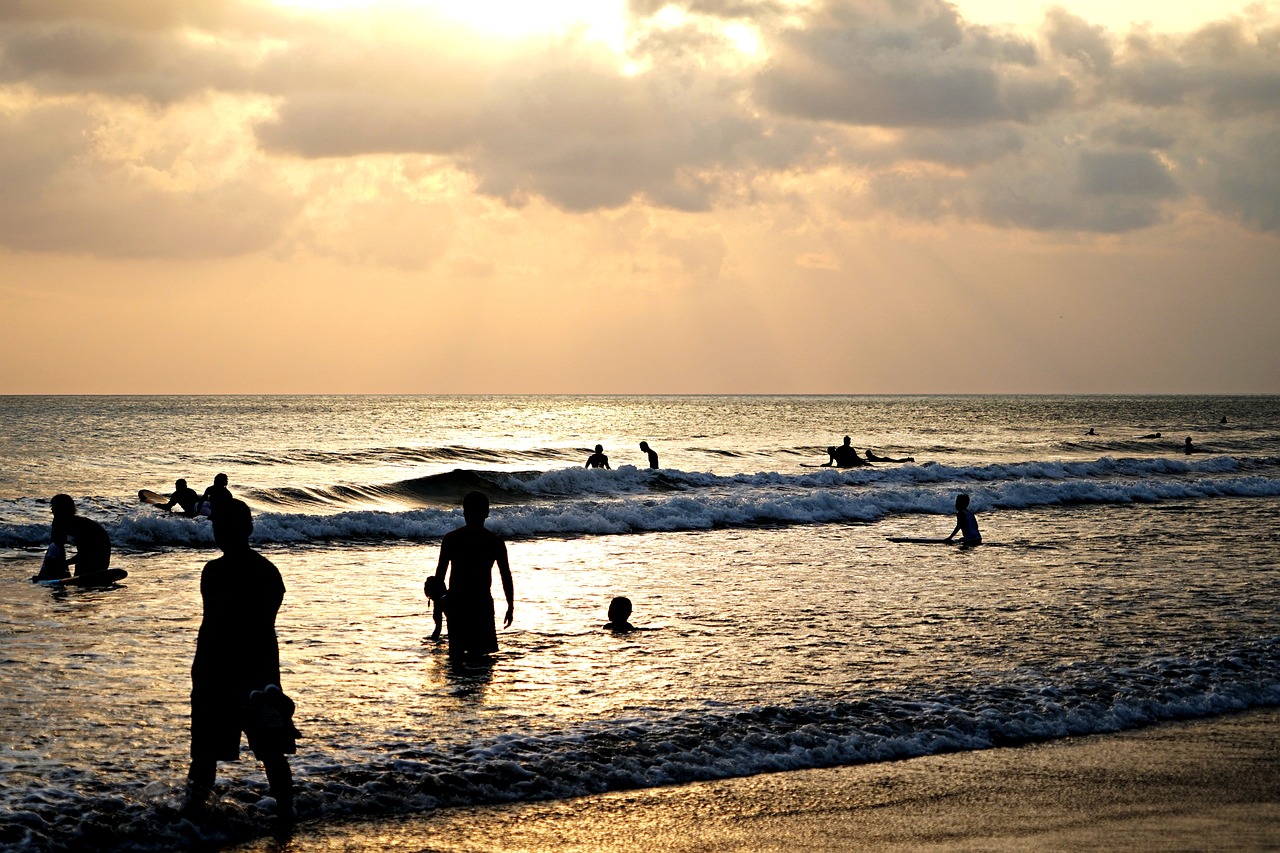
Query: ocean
(1122, 582)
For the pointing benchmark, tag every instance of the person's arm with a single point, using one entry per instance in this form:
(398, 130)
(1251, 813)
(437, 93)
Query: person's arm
(508, 589)
(606, 463)
(954, 532)
(445, 556)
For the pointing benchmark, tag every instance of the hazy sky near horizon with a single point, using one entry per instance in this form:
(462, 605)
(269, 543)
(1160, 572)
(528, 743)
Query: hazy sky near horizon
(634, 196)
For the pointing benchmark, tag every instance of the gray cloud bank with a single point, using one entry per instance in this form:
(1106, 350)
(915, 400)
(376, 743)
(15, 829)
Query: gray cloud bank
(1073, 129)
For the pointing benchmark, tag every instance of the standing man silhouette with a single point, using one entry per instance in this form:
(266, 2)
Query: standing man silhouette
(653, 454)
(235, 676)
(472, 551)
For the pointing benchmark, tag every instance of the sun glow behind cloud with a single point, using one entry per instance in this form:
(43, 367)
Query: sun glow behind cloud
(598, 20)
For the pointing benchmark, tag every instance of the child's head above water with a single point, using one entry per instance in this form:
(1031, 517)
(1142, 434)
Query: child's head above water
(620, 609)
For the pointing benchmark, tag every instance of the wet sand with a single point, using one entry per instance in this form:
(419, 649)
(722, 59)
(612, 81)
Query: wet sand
(1203, 785)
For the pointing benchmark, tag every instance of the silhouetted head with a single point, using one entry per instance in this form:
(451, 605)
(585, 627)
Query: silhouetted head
(220, 480)
(63, 506)
(620, 609)
(232, 525)
(475, 507)
(847, 440)
(599, 448)
(644, 445)
(434, 588)
(181, 484)
(962, 501)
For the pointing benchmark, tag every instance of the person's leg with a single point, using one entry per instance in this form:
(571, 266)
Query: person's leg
(200, 777)
(280, 778)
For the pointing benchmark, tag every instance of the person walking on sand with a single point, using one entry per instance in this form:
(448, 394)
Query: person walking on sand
(472, 551)
(235, 677)
(652, 454)
(598, 459)
(966, 523)
(93, 544)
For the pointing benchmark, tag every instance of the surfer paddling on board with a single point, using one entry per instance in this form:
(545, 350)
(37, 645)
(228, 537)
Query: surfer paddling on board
(235, 677)
(966, 523)
(598, 459)
(93, 545)
(472, 551)
(185, 497)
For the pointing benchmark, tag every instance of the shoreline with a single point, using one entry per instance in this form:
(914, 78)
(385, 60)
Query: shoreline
(1191, 785)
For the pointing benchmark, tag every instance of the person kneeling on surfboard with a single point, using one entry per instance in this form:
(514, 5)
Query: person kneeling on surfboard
(966, 523)
(93, 545)
(235, 676)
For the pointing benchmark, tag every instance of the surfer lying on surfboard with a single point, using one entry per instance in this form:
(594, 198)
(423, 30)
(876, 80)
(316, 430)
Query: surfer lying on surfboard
(871, 457)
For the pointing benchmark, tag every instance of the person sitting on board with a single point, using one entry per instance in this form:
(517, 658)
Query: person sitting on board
(235, 675)
(215, 495)
(598, 459)
(871, 457)
(93, 545)
(966, 523)
(472, 551)
(619, 613)
(1188, 448)
(652, 454)
(435, 593)
(845, 456)
(185, 497)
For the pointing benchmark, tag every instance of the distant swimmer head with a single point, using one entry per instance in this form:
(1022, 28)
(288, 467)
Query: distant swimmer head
(962, 501)
(620, 609)
(599, 448)
(475, 507)
(644, 445)
(232, 525)
(62, 505)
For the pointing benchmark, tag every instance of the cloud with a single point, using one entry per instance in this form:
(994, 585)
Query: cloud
(907, 64)
(917, 112)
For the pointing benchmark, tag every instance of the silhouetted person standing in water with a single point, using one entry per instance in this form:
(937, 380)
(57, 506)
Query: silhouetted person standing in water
(619, 613)
(185, 497)
(93, 545)
(1187, 448)
(216, 495)
(472, 550)
(598, 459)
(235, 676)
(652, 454)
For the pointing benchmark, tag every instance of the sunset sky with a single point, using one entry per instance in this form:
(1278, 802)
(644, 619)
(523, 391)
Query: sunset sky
(633, 196)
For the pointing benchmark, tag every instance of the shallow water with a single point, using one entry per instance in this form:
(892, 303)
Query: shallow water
(1123, 583)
